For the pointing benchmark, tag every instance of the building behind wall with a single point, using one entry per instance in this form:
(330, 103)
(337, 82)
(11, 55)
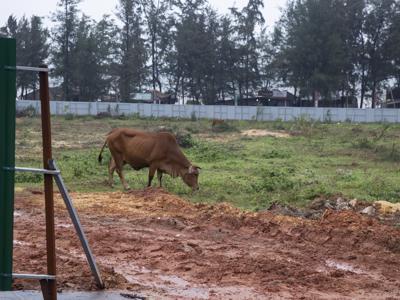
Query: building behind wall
(276, 97)
(392, 98)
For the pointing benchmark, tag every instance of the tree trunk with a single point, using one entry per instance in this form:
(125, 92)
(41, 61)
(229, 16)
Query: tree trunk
(153, 62)
(363, 86)
(240, 91)
(316, 96)
(373, 102)
(183, 90)
(66, 64)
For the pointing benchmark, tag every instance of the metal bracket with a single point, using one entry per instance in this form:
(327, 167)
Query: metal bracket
(32, 170)
(33, 276)
(25, 68)
(77, 224)
(75, 220)
(43, 279)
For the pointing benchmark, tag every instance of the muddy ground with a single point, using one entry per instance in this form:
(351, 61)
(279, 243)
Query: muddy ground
(156, 245)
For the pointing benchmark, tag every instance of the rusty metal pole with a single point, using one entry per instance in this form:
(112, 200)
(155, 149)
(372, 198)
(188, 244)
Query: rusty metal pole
(48, 181)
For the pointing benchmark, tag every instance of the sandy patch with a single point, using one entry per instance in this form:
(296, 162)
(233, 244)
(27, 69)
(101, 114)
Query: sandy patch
(264, 132)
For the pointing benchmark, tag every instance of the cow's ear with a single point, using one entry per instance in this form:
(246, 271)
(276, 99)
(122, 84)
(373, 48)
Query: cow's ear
(196, 167)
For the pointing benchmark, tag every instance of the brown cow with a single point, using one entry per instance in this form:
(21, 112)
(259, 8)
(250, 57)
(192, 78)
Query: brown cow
(158, 151)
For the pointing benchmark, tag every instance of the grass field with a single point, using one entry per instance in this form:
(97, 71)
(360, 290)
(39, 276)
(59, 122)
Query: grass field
(355, 160)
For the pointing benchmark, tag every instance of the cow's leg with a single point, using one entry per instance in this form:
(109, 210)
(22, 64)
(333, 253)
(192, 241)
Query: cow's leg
(119, 164)
(111, 169)
(159, 176)
(122, 178)
(152, 171)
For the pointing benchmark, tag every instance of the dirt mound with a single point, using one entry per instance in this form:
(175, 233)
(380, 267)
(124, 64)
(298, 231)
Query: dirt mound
(162, 246)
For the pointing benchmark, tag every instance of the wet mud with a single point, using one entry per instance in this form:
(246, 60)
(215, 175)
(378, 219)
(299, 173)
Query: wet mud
(155, 244)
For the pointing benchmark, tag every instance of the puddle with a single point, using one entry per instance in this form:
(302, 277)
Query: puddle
(170, 284)
(176, 286)
(62, 225)
(174, 279)
(21, 243)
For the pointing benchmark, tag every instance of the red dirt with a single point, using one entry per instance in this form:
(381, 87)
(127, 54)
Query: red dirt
(159, 245)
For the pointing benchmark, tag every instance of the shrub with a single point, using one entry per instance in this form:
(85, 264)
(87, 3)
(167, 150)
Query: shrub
(223, 127)
(29, 111)
(185, 139)
(275, 179)
(104, 114)
(68, 116)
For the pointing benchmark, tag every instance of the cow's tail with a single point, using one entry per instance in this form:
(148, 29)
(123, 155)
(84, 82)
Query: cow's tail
(100, 158)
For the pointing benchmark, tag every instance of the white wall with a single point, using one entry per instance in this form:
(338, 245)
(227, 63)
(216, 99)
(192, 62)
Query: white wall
(261, 113)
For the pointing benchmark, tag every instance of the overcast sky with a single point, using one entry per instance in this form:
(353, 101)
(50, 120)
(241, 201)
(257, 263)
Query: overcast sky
(96, 8)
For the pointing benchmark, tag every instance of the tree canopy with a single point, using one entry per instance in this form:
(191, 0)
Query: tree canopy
(318, 49)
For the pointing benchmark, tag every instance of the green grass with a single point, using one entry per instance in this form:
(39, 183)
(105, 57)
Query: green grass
(356, 161)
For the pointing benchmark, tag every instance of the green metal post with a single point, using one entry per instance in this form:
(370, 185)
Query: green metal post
(7, 159)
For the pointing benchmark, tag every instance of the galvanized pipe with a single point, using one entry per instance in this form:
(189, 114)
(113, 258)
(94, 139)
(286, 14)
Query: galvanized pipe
(33, 276)
(77, 224)
(24, 68)
(32, 170)
(48, 180)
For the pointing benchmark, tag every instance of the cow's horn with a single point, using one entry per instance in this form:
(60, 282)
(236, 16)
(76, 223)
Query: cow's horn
(191, 170)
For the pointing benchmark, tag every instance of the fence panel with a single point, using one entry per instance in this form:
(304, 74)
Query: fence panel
(223, 112)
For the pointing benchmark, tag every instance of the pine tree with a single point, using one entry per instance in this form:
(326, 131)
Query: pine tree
(246, 22)
(38, 49)
(64, 38)
(377, 26)
(132, 53)
(32, 49)
(157, 28)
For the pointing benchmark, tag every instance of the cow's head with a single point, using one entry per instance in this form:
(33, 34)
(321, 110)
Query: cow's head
(190, 177)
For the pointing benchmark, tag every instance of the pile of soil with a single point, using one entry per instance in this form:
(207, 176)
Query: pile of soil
(386, 212)
(155, 244)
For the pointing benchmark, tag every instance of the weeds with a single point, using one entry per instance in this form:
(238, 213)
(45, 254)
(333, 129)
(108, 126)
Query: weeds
(212, 152)
(305, 125)
(371, 140)
(25, 177)
(224, 127)
(272, 154)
